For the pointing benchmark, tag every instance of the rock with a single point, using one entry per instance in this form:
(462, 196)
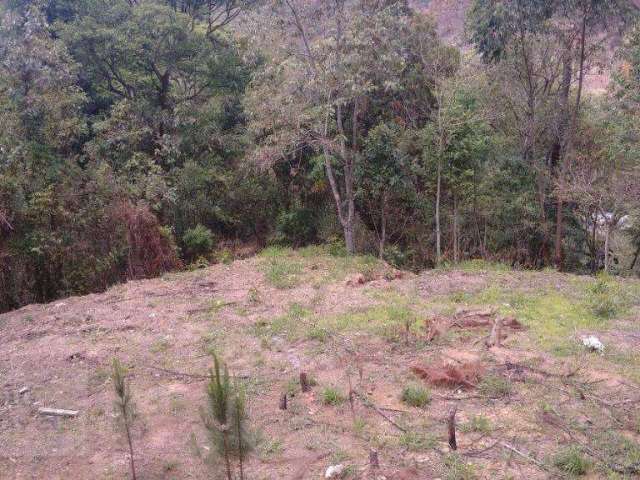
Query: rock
(593, 343)
(334, 471)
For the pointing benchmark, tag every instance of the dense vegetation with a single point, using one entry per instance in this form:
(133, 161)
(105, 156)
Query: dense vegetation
(137, 136)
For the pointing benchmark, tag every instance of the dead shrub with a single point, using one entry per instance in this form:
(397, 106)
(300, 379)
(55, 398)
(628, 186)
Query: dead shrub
(152, 249)
(466, 374)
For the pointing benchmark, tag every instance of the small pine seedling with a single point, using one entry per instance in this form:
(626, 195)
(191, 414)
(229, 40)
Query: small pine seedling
(124, 405)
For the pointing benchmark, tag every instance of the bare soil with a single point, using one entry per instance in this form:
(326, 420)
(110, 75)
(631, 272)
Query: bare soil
(59, 356)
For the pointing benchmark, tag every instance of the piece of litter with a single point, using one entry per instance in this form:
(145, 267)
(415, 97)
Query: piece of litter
(334, 471)
(593, 343)
(23, 390)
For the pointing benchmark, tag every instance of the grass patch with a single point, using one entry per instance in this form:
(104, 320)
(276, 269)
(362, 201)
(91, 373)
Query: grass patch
(479, 424)
(416, 395)
(415, 441)
(457, 469)
(604, 297)
(476, 266)
(387, 321)
(494, 386)
(571, 460)
(332, 396)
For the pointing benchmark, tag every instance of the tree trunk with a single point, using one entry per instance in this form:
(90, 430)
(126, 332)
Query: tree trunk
(383, 226)
(607, 235)
(456, 252)
(438, 250)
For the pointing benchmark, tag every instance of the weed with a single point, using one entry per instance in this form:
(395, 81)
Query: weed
(415, 441)
(272, 448)
(477, 423)
(318, 333)
(571, 460)
(332, 396)
(359, 426)
(416, 395)
(282, 272)
(458, 469)
(494, 386)
(225, 256)
(160, 346)
(253, 296)
(170, 466)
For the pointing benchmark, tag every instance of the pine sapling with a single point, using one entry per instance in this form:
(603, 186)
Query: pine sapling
(125, 406)
(218, 392)
(239, 419)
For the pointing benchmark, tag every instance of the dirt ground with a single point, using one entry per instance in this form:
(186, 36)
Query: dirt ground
(541, 407)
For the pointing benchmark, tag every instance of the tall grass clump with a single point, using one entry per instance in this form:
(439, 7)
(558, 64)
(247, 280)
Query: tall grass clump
(604, 297)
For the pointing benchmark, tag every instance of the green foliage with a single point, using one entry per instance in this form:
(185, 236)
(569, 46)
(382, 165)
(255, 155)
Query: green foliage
(296, 227)
(416, 395)
(494, 386)
(478, 423)
(416, 442)
(572, 461)
(124, 406)
(458, 469)
(226, 416)
(604, 297)
(332, 396)
(198, 241)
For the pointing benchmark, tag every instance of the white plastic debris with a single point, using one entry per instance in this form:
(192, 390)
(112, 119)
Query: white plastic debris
(334, 471)
(593, 343)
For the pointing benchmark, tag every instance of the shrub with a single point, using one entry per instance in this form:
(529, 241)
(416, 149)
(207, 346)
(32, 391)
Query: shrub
(571, 461)
(198, 241)
(416, 395)
(296, 227)
(603, 297)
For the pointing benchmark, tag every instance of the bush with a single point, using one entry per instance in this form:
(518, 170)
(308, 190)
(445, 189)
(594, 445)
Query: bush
(198, 241)
(296, 227)
(604, 298)
(416, 395)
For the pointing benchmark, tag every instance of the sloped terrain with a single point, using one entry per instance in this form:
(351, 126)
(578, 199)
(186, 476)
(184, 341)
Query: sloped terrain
(536, 405)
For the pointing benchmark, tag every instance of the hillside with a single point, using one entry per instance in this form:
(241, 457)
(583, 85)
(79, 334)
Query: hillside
(538, 405)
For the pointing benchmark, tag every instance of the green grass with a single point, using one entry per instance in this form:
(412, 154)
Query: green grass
(476, 266)
(416, 441)
(416, 395)
(457, 469)
(479, 424)
(332, 396)
(572, 461)
(494, 386)
(286, 267)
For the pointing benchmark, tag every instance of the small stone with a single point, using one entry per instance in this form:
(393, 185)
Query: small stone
(593, 343)
(334, 471)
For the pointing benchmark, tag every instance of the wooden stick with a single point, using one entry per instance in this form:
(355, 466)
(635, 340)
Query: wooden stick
(57, 412)
(451, 424)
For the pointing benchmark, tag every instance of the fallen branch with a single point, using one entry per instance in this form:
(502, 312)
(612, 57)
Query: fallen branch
(367, 403)
(57, 412)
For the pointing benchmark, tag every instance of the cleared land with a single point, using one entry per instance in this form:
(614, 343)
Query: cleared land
(538, 406)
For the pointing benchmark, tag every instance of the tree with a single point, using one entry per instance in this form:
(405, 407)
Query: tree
(345, 71)
(544, 47)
